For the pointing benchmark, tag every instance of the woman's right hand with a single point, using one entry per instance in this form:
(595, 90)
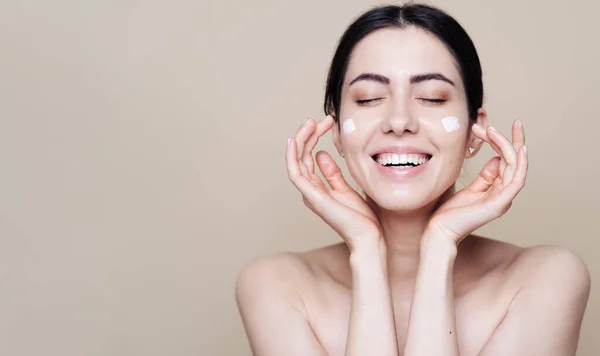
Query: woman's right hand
(340, 206)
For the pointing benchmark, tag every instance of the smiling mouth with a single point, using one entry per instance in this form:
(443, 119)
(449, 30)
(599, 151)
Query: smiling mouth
(401, 160)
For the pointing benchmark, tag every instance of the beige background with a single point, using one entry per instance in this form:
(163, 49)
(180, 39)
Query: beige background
(141, 156)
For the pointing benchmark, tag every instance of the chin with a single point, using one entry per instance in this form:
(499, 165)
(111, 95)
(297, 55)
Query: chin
(402, 200)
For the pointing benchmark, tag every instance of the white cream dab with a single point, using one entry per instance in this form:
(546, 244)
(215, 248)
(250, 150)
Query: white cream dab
(348, 127)
(450, 123)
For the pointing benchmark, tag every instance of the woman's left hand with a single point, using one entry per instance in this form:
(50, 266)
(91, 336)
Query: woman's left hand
(491, 194)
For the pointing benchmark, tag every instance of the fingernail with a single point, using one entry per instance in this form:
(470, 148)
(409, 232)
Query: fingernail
(492, 128)
(306, 121)
(289, 142)
(525, 149)
(477, 127)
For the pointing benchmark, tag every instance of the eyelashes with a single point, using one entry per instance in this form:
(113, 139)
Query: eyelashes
(427, 100)
(363, 102)
(434, 101)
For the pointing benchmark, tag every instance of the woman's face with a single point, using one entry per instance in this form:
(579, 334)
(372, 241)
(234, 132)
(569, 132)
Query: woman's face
(417, 113)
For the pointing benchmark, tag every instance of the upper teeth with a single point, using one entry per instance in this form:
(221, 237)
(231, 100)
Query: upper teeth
(393, 158)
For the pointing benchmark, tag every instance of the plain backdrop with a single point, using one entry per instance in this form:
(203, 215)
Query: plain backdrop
(142, 156)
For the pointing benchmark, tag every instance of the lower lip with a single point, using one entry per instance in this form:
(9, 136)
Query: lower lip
(401, 173)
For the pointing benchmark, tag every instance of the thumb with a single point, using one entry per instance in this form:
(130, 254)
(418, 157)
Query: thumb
(331, 171)
(486, 176)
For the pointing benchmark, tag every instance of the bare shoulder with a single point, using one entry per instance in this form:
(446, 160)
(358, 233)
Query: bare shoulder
(278, 274)
(281, 263)
(552, 266)
(269, 298)
(525, 265)
(549, 287)
(288, 274)
(270, 294)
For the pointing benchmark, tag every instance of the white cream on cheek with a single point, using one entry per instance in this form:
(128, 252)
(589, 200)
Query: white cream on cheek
(449, 142)
(348, 126)
(450, 123)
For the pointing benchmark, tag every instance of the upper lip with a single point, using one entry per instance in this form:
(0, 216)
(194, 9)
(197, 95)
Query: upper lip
(400, 150)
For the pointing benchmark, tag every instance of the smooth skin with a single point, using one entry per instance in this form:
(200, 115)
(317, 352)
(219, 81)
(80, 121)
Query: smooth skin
(433, 289)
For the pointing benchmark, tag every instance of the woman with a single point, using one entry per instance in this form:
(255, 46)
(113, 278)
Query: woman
(404, 103)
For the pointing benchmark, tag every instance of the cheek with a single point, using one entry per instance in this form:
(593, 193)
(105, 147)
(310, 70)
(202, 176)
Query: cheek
(348, 127)
(350, 135)
(354, 132)
(450, 124)
(447, 131)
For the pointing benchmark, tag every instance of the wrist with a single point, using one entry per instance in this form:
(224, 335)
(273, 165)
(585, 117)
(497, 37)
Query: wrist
(436, 245)
(369, 249)
(367, 243)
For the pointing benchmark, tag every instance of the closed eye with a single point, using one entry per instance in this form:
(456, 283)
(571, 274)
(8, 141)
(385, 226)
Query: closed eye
(365, 101)
(434, 101)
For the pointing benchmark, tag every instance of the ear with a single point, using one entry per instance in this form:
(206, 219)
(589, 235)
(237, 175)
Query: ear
(472, 141)
(335, 134)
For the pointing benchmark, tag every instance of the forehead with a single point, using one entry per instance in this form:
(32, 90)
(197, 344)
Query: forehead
(397, 52)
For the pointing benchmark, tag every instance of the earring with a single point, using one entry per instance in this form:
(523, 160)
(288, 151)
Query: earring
(342, 154)
(471, 150)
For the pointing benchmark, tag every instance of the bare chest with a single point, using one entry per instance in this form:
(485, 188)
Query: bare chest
(478, 312)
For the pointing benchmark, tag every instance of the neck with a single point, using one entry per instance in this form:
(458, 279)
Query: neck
(402, 232)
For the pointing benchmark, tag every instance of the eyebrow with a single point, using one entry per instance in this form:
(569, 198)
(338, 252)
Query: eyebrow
(417, 78)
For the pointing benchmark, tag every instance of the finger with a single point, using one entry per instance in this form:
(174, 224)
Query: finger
(322, 127)
(486, 176)
(303, 134)
(481, 133)
(509, 192)
(518, 135)
(292, 164)
(507, 152)
(331, 172)
(304, 170)
(295, 175)
(506, 149)
(331, 211)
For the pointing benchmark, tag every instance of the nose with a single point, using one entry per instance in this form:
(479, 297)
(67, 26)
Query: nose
(399, 119)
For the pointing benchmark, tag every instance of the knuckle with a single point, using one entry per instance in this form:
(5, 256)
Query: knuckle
(503, 209)
(306, 202)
